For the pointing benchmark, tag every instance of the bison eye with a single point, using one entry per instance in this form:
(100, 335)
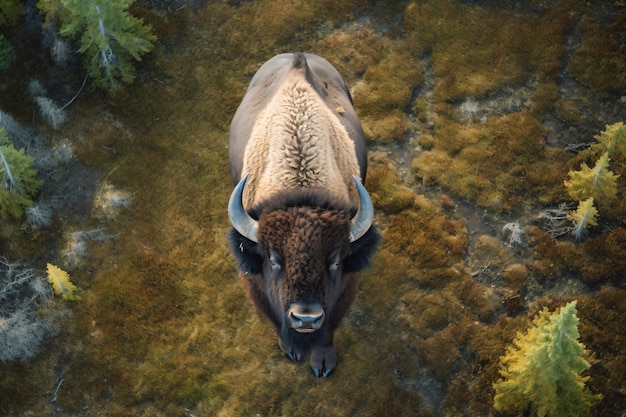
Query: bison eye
(274, 264)
(275, 260)
(334, 261)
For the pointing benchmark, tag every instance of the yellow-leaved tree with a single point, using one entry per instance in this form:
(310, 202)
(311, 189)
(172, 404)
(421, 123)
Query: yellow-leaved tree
(542, 371)
(61, 284)
(585, 215)
(597, 184)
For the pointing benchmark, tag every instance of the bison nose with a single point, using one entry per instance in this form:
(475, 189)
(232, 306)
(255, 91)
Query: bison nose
(305, 318)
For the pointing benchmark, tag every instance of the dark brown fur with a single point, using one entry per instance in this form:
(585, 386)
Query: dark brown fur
(305, 238)
(307, 233)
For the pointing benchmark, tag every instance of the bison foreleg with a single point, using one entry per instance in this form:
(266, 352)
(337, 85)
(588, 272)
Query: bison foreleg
(323, 353)
(323, 359)
(290, 350)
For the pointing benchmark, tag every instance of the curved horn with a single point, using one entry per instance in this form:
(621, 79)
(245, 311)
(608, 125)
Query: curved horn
(239, 217)
(364, 216)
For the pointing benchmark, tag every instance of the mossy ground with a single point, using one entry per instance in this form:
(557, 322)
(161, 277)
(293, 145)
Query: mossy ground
(164, 327)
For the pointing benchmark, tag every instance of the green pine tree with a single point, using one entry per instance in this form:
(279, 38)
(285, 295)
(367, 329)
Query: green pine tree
(110, 36)
(18, 182)
(542, 370)
(10, 11)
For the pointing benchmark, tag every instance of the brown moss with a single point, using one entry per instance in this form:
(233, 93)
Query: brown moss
(268, 25)
(515, 275)
(431, 166)
(340, 11)
(439, 277)
(602, 320)
(428, 240)
(381, 76)
(353, 52)
(544, 97)
(568, 112)
(426, 314)
(441, 352)
(481, 300)
(446, 202)
(488, 344)
(385, 187)
(426, 141)
(489, 247)
(508, 152)
(387, 85)
(603, 257)
(553, 258)
(416, 229)
(389, 127)
(389, 272)
(458, 396)
(127, 310)
(17, 384)
(384, 93)
(421, 108)
(391, 400)
(600, 61)
(614, 209)
(499, 40)
(494, 164)
(448, 136)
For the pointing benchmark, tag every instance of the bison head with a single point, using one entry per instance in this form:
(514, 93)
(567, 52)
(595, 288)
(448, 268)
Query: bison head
(296, 251)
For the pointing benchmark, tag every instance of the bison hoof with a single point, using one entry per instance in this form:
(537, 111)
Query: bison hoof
(294, 356)
(323, 360)
(289, 351)
(321, 372)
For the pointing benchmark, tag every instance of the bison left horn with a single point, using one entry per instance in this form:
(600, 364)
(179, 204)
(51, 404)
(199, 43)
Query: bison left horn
(240, 219)
(248, 227)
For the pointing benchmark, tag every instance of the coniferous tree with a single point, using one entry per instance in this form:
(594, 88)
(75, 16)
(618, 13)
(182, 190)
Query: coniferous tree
(584, 216)
(10, 11)
(18, 182)
(612, 139)
(110, 37)
(543, 369)
(598, 183)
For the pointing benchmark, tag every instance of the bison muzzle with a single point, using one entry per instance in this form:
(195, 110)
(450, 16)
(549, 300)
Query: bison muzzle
(302, 220)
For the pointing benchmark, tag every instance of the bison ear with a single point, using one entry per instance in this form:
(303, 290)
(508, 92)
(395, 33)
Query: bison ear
(246, 252)
(361, 251)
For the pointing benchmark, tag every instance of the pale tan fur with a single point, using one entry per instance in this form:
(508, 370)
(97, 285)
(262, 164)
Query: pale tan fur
(298, 142)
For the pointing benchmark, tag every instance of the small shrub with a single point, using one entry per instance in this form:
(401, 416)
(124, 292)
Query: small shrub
(51, 112)
(23, 325)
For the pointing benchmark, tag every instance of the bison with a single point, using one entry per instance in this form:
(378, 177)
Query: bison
(302, 220)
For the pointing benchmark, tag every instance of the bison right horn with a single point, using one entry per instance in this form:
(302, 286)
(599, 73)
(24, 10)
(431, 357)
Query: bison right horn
(364, 216)
(239, 217)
